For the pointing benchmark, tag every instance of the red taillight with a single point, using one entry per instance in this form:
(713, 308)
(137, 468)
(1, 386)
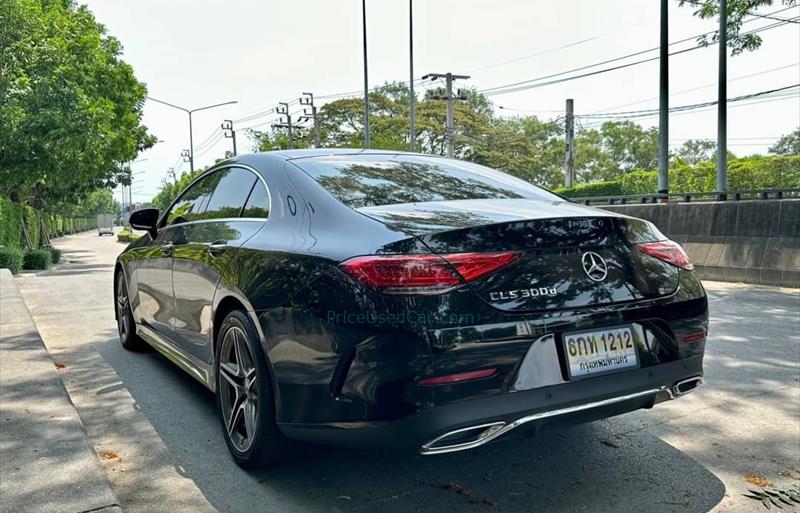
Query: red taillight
(667, 251)
(425, 274)
(457, 378)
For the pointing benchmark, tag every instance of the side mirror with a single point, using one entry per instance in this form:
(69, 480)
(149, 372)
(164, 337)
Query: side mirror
(145, 219)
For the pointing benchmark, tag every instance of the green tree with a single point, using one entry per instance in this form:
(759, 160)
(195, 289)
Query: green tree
(618, 147)
(788, 144)
(695, 151)
(70, 108)
(738, 11)
(169, 190)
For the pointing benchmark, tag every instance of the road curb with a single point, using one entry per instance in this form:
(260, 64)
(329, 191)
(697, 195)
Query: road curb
(47, 463)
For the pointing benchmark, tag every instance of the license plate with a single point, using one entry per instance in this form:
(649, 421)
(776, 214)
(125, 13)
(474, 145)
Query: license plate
(600, 351)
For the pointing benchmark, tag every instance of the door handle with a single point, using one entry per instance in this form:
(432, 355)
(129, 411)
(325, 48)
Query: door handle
(217, 248)
(166, 248)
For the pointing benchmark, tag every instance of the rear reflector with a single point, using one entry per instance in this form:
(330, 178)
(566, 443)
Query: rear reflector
(694, 337)
(457, 378)
(669, 252)
(425, 274)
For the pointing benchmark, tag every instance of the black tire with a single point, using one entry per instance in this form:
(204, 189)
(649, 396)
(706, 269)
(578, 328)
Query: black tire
(125, 324)
(259, 442)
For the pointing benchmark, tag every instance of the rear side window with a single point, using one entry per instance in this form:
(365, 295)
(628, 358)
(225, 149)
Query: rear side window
(258, 203)
(375, 180)
(230, 193)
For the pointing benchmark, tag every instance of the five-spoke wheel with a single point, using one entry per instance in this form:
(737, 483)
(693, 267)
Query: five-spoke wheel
(244, 394)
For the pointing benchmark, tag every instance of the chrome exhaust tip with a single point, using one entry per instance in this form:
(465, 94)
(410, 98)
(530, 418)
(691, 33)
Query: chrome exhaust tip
(464, 438)
(687, 385)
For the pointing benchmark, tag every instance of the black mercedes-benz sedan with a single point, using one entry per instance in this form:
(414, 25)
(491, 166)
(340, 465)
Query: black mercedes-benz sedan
(386, 299)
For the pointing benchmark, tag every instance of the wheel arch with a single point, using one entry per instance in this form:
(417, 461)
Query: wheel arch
(224, 305)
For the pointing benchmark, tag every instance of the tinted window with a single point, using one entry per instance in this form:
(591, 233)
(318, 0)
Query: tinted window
(192, 203)
(230, 194)
(373, 180)
(258, 202)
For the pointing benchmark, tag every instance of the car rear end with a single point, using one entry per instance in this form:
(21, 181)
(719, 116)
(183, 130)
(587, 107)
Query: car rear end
(506, 315)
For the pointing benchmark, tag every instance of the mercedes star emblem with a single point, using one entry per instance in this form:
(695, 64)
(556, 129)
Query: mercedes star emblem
(594, 266)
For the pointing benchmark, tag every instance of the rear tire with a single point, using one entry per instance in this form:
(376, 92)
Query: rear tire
(245, 399)
(126, 327)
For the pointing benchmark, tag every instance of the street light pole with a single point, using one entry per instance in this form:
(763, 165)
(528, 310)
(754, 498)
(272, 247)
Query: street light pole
(366, 78)
(190, 112)
(722, 104)
(412, 99)
(663, 103)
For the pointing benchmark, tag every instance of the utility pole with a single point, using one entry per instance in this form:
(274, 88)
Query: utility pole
(187, 157)
(569, 161)
(449, 78)
(722, 104)
(230, 133)
(412, 99)
(171, 172)
(663, 104)
(283, 110)
(307, 100)
(367, 143)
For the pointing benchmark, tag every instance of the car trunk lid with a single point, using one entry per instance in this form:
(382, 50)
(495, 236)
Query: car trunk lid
(571, 256)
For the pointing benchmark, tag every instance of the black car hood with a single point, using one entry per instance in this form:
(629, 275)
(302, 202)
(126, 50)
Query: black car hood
(435, 216)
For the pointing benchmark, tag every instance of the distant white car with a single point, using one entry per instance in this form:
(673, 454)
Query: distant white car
(105, 224)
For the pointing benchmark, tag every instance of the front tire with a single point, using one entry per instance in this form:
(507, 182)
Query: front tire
(245, 399)
(125, 323)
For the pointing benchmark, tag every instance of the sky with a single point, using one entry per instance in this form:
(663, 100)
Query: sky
(200, 52)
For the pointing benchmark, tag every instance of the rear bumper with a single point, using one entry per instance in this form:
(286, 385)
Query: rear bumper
(573, 402)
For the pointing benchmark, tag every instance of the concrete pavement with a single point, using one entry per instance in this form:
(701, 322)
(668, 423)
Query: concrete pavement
(689, 455)
(47, 464)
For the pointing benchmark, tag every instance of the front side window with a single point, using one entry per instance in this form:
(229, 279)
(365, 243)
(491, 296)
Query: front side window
(375, 180)
(192, 203)
(230, 194)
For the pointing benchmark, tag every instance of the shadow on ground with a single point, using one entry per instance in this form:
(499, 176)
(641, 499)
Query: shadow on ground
(569, 470)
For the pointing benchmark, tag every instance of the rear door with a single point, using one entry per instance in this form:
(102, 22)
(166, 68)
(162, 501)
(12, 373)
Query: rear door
(203, 252)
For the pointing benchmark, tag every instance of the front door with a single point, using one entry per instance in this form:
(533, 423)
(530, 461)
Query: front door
(152, 279)
(203, 251)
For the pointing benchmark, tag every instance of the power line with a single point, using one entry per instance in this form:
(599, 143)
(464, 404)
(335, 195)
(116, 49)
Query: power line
(764, 72)
(763, 97)
(529, 84)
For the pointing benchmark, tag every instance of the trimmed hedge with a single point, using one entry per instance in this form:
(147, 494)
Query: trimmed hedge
(55, 254)
(585, 190)
(12, 214)
(10, 227)
(746, 173)
(11, 258)
(36, 259)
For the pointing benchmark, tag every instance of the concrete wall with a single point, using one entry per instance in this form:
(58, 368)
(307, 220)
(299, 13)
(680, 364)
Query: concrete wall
(741, 241)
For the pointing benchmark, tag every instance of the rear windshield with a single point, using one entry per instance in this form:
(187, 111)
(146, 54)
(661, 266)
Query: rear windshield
(375, 180)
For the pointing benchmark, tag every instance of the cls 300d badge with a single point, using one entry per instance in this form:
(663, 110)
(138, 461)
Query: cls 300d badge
(522, 293)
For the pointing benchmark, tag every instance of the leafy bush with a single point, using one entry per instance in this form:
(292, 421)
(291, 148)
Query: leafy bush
(126, 235)
(36, 259)
(55, 254)
(585, 190)
(11, 258)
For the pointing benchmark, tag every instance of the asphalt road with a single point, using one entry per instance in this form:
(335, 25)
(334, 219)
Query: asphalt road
(689, 455)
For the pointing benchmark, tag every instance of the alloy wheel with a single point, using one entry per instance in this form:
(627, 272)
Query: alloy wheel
(238, 389)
